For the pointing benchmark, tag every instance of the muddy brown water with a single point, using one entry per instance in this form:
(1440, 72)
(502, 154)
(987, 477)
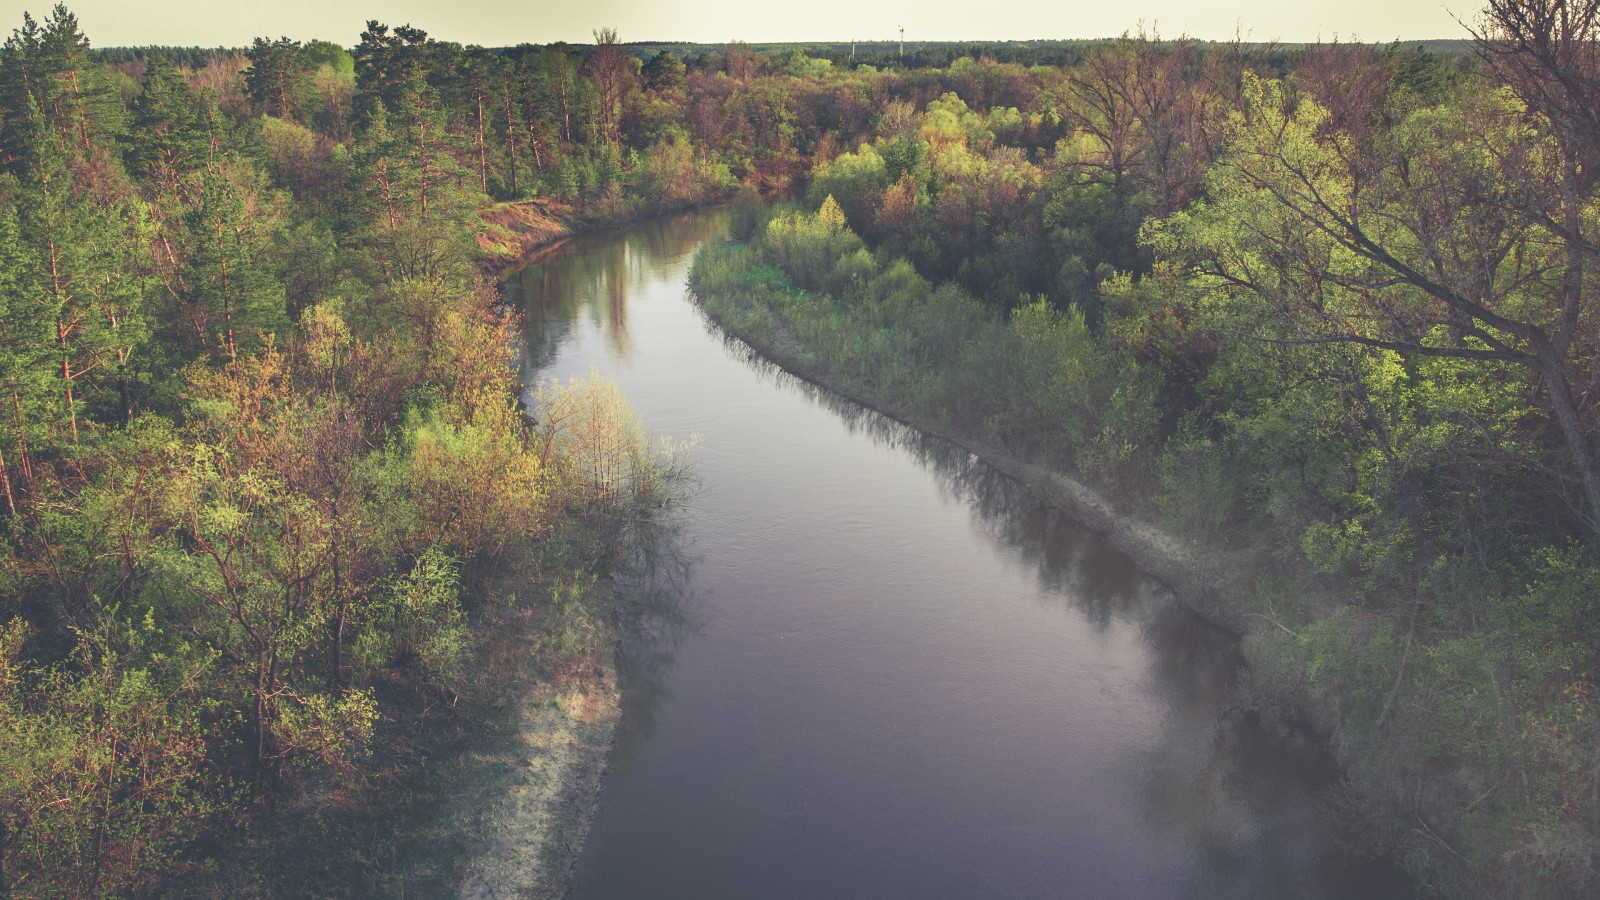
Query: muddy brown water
(867, 666)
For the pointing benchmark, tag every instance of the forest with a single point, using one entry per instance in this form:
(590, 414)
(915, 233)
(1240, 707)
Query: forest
(267, 482)
(270, 484)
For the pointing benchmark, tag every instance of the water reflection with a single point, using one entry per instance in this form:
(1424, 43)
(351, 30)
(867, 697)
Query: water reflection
(1255, 801)
(1072, 562)
(1238, 807)
(656, 610)
(590, 277)
(588, 280)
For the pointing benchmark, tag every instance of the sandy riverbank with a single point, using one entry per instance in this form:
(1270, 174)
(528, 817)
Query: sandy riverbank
(528, 808)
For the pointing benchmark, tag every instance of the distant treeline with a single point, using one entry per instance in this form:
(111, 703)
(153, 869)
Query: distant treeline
(193, 57)
(878, 54)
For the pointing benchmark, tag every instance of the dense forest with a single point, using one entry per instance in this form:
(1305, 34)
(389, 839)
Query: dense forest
(267, 484)
(1330, 323)
(268, 481)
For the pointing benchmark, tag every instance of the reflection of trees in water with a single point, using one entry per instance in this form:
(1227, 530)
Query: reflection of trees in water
(1248, 799)
(592, 276)
(1254, 796)
(548, 313)
(1254, 804)
(582, 281)
(655, 602)
(1072, 563)
(662, 244)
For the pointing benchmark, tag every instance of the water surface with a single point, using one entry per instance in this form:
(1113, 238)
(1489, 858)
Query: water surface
(886, 671)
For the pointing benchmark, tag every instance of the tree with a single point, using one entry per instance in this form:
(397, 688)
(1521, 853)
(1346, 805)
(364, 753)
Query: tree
(1351, 82)
(612, 71)
(387, 65)
(1546, 51)
(276, 79)
(332, 86)
(505, 79)
(1104, 110)
(664, 73)
(51, 69)
(255, 566)
(81, 275)
(170, 127)
(479, 86)
(25, 344)
(232, 296)
(1451, 239)
(332, 473)
(103, 769)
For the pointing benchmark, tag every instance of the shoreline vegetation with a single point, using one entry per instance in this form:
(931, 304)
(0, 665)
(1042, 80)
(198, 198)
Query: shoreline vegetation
(283, 549)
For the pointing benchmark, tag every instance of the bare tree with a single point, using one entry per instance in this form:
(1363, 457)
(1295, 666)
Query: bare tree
(1548, 51)
(610, 69)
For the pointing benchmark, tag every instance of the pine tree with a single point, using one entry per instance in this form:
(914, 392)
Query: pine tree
(82, 275)
(25, 344)
(276, 80)
(233, 297)
(51, 68)
(170, 133)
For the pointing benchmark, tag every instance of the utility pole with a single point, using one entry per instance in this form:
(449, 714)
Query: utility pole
(902, 42)
(852, 51)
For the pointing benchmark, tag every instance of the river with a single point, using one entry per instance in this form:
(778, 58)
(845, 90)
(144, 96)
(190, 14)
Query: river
(870, 667)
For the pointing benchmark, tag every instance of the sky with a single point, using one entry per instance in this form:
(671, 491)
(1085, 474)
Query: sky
(114, 23)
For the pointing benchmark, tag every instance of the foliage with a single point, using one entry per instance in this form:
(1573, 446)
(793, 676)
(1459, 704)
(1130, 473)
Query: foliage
(264, 465)
(263, 459)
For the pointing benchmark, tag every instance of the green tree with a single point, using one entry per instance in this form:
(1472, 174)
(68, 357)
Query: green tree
(82, 275)
(418, 617)
(664, 73)
(50, 69)
(25, 350)
(1445, 241)
(103, 769)
(276, 80)
(233, 297)
(171, 129)
(254, 572)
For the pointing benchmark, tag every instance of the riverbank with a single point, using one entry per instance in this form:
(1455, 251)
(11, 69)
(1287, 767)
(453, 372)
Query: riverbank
(527, 805)
(520, 801)
(487, 788)
(512, 232)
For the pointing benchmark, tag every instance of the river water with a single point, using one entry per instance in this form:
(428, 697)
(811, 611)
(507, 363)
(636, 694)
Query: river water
(870, 667)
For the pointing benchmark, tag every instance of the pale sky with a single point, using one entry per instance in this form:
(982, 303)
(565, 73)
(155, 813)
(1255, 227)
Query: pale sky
(111, 23)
